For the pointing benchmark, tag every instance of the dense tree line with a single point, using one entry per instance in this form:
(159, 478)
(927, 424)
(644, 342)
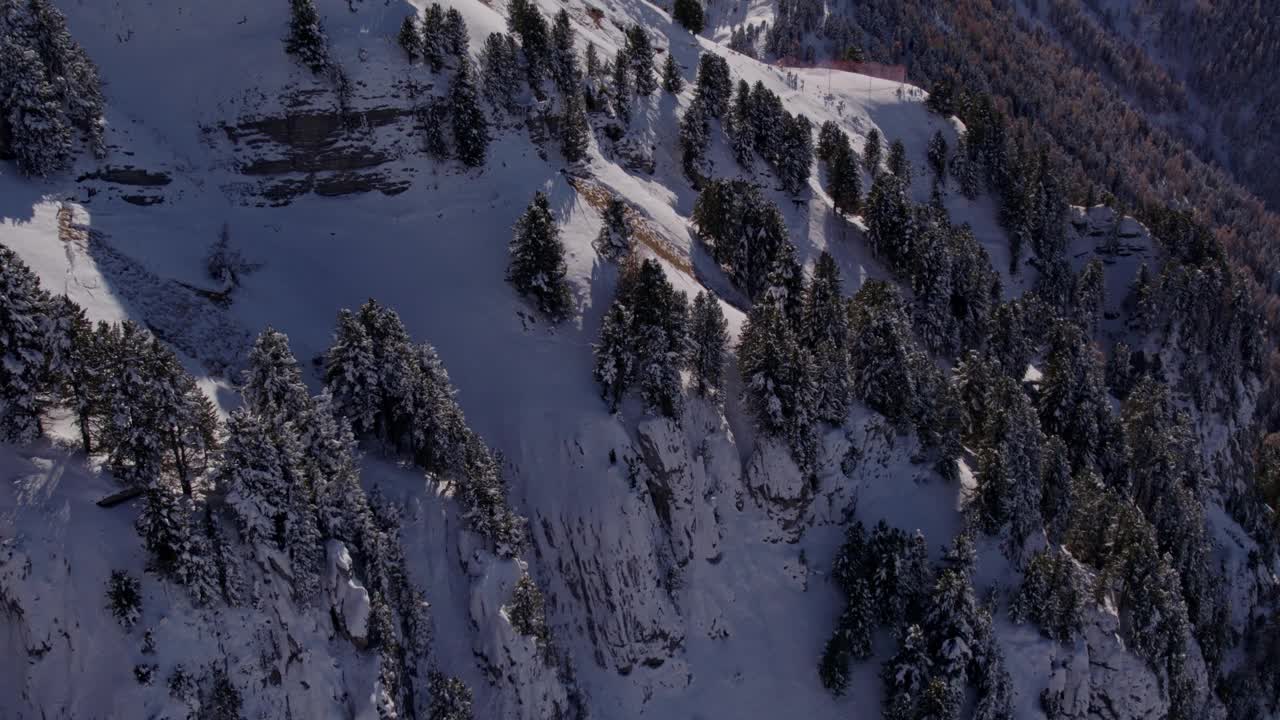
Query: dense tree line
(945, 642)
(50, 89)
(283, 469)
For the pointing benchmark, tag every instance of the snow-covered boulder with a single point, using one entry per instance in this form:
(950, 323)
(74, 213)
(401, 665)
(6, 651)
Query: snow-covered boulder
(347, 597)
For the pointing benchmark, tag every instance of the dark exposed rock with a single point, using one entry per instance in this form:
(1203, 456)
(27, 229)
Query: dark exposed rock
(128, 175)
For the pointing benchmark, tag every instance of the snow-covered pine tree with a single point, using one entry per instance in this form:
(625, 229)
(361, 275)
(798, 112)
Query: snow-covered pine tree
(844, 180)
(455, 34)
(1073, 400)
(500, 72)
(938, 157)
(1090, 296)
(882, 357)
(273, 386)
(898, 163)
(871, 153)
(708, 344)
(72, 74)
(409, 38)
(795, 160)
(435, 120)
(614, 240)
(825, 331)
(613, 354)
(484, 495)
(575, 132)
(639, 52)
(830, 137)
(24, 349)
(1052, 595)
(39, 134)
(525, 21)
(439, 430)
(777, 377)
(714, 84)
(1119, 370)
(351, 373)
(76, 365)
(564, 58)
(695, 136)
(746, 231)
(672, 80)
(950, 624)
(526, 609)
(306, 38)
(906, 675)
(470, 126)
(689, 14)
(620, 88)
(537, 267)
(433, 42)
(784, 284)
(592, 61)
(890, 219)
(251, 473)
(741, 133)
(660, 318)
(164, 524)
(450, 698)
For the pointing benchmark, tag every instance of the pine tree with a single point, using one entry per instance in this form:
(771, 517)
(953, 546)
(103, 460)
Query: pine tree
(938, 157)
(672, 81)
(639, 52)
(884, 364)
(72, 74)
(1090, 296)
(470, 126)
(564, 59)
(830, 138)
(526, 22)
(526, 610)
(695, 136)
(435, 119)
(614, 359)
(660, 336)
(251, 473)
(708, 342)
(500, 72)
(77, 371)
(689, 14)
(871, 153)
(825, 331)
(844, 180)
(592, 61)
(795, 162)
(741, 132)
(950, 625)
(890, 219)
(273, 386)
(24, 349)
(165, 528)
(746, 232)
(620, 89)
(906, 675)
(410, 39)
(306, 38)
(450, 698)
(455, 34)
(39, 134)
(351, 373)
(898, 163)
(614, 240)
(575, 135)
(714, 84)
(777, 375)
(537, 267)
(433, 40)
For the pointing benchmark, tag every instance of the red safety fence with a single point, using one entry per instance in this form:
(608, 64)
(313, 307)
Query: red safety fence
(896, 73)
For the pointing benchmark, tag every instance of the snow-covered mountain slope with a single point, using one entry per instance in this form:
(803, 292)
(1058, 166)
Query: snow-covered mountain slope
(692, 583)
